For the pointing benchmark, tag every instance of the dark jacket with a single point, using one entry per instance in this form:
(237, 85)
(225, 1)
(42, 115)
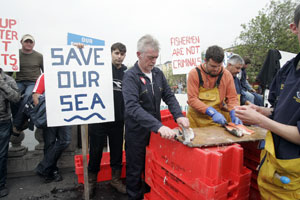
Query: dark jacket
(142, 107)
(284, 96)
(237, 84)
(269, 69)
(118, 97)
(8, 92)
(244, 82)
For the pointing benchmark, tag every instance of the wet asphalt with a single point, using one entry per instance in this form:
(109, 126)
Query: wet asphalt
(32, 187)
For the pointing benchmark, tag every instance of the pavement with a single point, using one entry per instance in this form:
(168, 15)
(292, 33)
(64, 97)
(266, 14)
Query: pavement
(32, 187)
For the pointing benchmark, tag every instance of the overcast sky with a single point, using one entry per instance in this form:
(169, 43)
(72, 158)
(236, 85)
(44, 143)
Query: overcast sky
(215, 21)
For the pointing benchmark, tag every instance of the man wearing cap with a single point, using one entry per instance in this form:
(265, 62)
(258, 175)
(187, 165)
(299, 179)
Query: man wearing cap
(31, 65)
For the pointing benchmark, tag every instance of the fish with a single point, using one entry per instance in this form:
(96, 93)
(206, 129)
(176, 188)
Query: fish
(238, 130)
(242, 127)
(234, 130)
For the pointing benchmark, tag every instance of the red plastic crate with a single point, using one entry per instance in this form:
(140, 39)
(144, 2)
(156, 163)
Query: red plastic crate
(175, 171)
(251, 156)
(105, 169)
(252, 161)
(176, 186)
(147, 196)
(254, 194)
(253, 165)
(173, 185)
(168, 120)
(212, 165)
(153, 195)
(252, 147)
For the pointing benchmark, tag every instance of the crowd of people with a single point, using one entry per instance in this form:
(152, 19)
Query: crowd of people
(216, 95)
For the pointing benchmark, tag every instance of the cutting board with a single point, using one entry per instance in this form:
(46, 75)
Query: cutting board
(217, 136)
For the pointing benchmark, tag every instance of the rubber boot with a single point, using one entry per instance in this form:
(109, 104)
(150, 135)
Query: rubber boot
(92, 185)
(116, 181)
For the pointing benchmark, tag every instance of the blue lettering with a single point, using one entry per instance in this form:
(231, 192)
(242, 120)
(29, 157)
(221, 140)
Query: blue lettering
(97, 99)
(86, 40)
(62, 102)
(91, 79)
(72, 55)
(68, 82)
(78, 102)
(76, 85)
(86, 61)
(53, 56)
(98, 56)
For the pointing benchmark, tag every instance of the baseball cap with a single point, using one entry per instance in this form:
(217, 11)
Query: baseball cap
(27, 37)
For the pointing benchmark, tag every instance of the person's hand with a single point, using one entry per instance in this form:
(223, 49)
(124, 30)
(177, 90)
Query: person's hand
(79, 45)
(183, 121)
(234, 118)
(248, 115)
(216, 116)
(255, 107)
(35, 98)
(166, 132)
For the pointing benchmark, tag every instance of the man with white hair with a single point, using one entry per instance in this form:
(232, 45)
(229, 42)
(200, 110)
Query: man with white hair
(234, 66)
(144, 86)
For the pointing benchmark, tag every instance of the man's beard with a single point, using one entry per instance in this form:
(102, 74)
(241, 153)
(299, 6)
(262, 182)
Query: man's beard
(213, 75)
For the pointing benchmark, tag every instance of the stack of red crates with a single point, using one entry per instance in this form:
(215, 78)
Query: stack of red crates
(175, 171)
(105, 169)
(251, 161)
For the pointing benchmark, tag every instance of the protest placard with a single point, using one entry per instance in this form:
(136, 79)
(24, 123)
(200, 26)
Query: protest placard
(9, 40)
(73, 39)
(79, 86)
(186, 53)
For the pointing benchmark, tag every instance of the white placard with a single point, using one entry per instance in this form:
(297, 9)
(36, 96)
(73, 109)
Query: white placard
(9, 41)
(182, 100)
(286, 56)
(78, 85)
(186, 53)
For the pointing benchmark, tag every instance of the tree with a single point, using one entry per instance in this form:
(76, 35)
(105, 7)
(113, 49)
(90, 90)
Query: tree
(268, 30)
(173, 80)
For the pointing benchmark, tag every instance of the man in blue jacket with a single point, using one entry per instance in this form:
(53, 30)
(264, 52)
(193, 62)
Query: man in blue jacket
(144, 86)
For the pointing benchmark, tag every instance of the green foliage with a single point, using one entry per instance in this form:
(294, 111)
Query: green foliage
(173, 80)
(268, 30)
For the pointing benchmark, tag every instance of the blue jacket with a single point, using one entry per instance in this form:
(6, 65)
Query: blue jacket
(142, 106)
(284, 96)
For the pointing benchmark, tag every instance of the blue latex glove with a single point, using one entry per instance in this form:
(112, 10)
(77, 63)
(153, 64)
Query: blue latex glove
(216, 116)
(234, 119)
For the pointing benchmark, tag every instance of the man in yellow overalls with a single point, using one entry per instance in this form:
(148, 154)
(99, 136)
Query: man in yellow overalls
(279, 174)
(209, 87)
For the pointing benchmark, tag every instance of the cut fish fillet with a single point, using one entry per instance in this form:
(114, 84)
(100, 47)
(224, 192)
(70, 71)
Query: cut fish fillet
(234, 130)
(242, 128)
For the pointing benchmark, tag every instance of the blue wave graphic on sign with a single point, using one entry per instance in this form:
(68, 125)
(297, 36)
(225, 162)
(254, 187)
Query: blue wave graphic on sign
(86, 118)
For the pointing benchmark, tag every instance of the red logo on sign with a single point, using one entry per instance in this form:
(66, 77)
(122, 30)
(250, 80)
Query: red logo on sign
(143, 80)
(15, 67)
